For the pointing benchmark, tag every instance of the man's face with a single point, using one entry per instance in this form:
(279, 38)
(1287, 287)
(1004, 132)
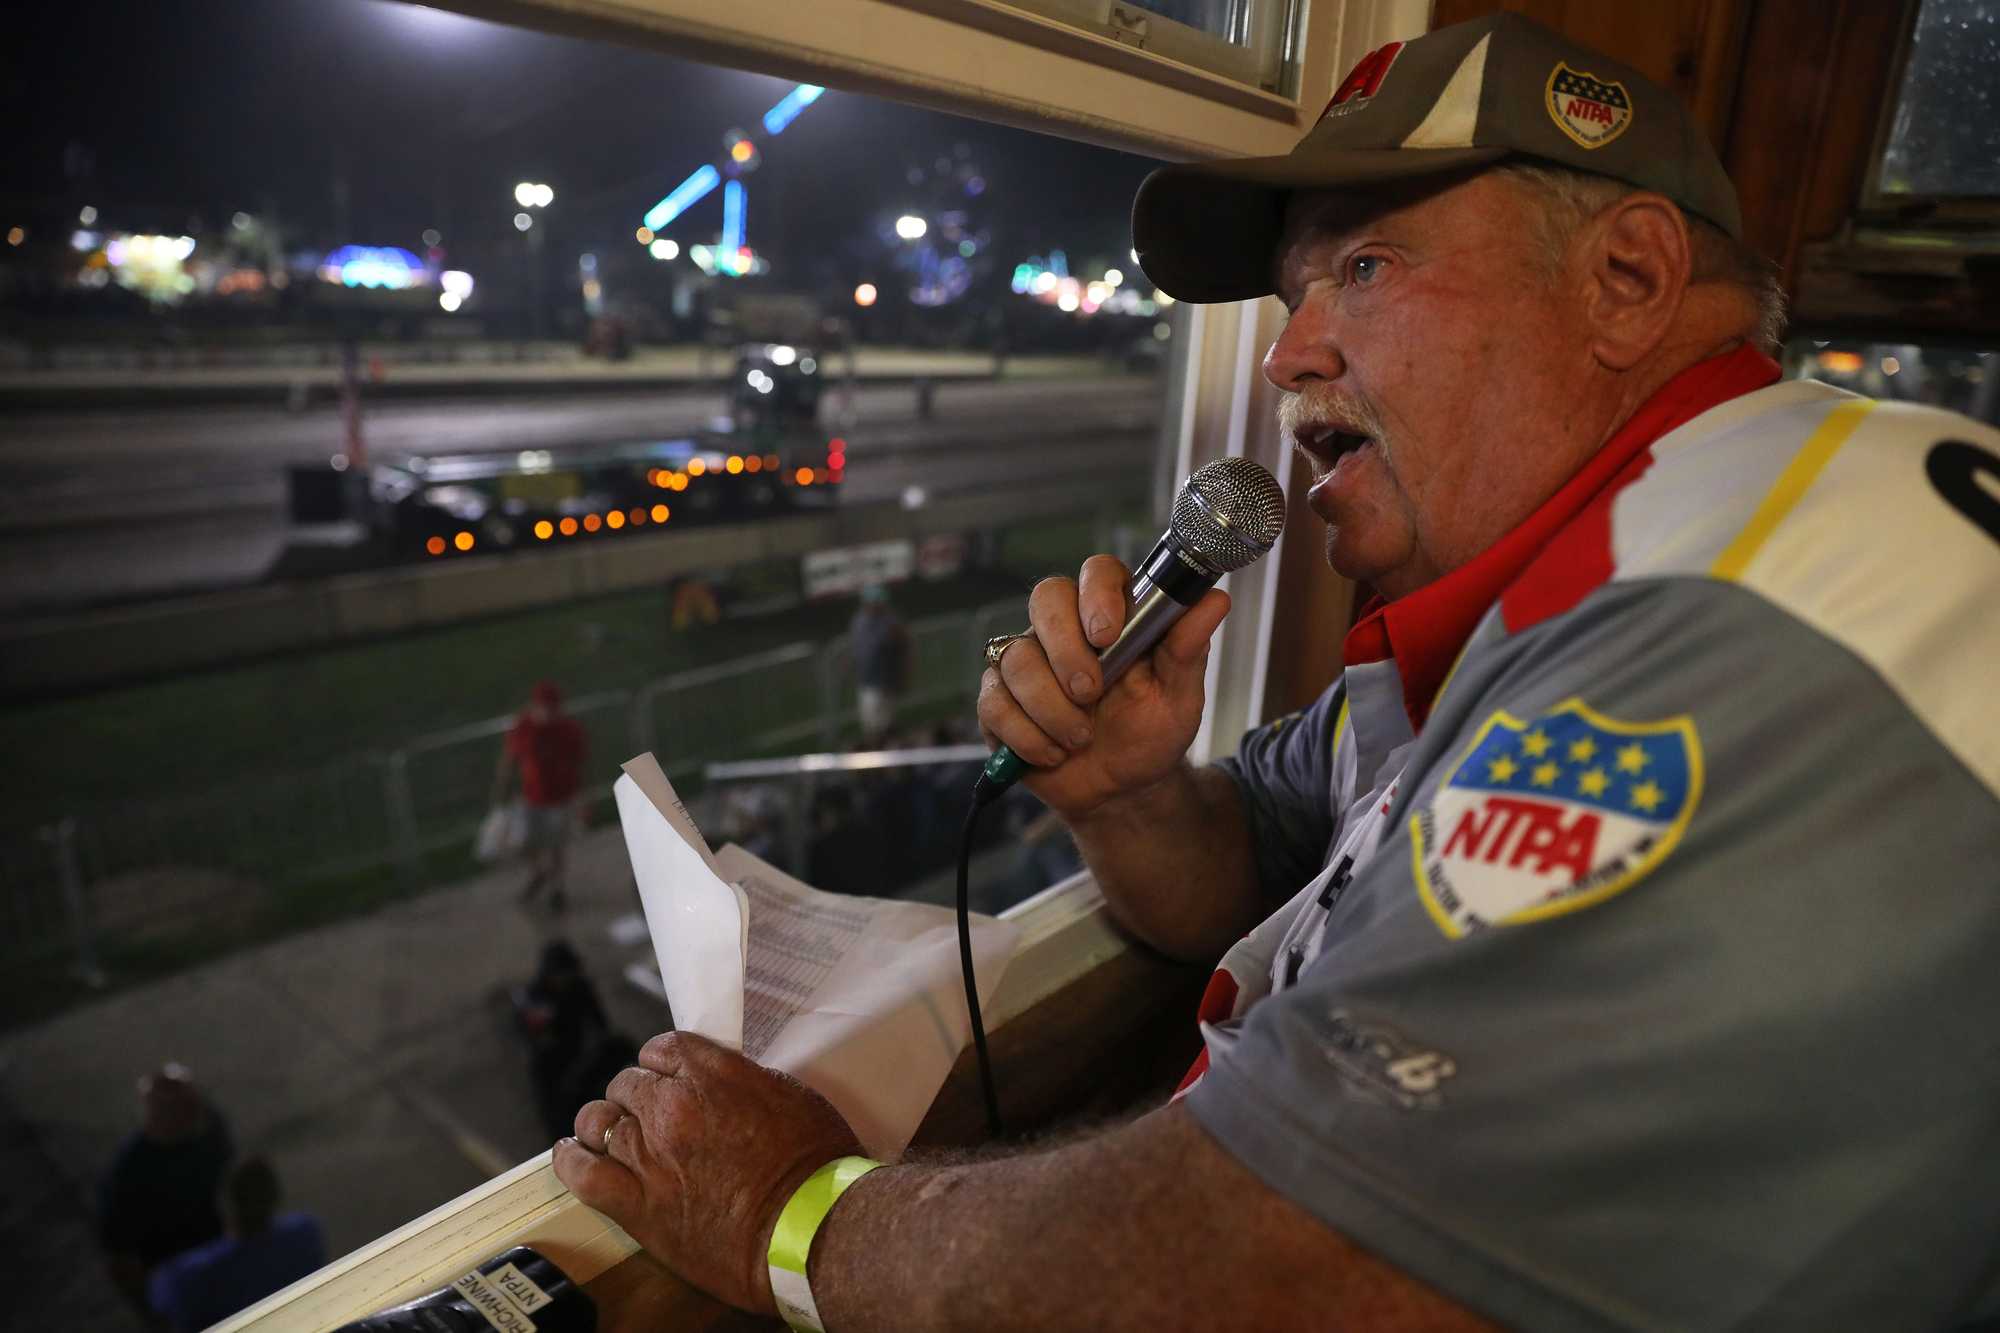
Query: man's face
(1430, 368)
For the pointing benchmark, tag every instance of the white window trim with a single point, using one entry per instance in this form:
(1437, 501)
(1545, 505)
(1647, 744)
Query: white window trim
(988, 59)
(1155, 34)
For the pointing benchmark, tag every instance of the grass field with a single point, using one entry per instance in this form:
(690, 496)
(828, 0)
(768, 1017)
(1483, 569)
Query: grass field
(299, 711)
(288, 737)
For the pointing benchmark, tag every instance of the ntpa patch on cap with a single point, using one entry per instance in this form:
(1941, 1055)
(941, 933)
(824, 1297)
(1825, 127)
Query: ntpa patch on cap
(1588, 109)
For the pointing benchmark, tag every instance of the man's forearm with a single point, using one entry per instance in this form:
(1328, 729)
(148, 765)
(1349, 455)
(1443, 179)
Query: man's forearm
(1175, 863)
(1035, 1241)
(1150, 1226)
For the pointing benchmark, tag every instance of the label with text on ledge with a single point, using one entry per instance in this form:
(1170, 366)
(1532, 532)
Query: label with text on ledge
(506, 1297)
(859, 998)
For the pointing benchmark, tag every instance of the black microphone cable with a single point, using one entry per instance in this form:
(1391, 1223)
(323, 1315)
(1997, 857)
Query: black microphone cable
(984, 793)
(1226, 515)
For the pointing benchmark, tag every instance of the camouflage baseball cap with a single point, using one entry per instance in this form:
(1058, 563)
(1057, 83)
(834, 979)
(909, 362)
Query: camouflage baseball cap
(1454, 100)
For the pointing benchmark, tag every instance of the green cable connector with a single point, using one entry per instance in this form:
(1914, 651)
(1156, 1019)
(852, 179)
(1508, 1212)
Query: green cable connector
(1003, 769)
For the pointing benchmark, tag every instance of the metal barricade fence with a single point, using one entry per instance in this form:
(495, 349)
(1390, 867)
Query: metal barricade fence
(439, 786)
(153, 875)
(32, 914)
(753, 705)
(274, 828)
(944, 666)
(782, 794)
(144, 870)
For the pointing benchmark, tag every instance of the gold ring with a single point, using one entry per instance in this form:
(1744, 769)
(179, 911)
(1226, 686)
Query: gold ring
(607, 1133)
(1000, 643)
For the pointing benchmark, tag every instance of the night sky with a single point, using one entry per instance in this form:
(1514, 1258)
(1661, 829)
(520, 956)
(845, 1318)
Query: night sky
(169, 112)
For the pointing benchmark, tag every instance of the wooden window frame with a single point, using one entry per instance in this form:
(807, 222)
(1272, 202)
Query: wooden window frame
(1804, 138)
(1873, 205)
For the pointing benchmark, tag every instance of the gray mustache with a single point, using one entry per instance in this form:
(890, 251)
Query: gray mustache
(1300, 413)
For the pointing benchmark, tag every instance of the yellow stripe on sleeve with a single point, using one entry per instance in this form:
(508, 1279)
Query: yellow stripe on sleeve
(1790, 488)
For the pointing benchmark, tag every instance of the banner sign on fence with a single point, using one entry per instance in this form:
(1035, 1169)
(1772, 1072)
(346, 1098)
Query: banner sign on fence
(940, 555)
(848, 569)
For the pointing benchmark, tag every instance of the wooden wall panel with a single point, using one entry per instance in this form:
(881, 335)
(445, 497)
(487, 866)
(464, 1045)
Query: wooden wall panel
(1791, 93)
(1799, 146)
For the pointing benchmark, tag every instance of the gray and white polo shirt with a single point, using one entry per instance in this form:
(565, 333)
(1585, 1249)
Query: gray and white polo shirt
(1654, 982)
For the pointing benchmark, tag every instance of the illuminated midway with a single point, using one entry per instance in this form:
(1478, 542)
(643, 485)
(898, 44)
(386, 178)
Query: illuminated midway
(732, 257)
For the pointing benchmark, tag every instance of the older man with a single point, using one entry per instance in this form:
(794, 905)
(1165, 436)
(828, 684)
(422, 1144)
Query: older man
(1610, 946)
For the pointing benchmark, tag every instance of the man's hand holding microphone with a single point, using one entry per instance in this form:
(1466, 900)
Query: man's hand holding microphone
(1089, 634)
(1090, 741)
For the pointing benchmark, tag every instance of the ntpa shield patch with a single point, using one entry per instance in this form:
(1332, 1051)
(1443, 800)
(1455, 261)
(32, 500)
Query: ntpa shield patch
(1590, 110)
(1544, 817)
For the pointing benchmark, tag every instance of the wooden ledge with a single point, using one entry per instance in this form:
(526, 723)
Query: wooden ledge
(1078, 1000)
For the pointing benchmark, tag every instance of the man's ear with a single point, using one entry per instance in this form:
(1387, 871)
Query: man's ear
(1639, 263)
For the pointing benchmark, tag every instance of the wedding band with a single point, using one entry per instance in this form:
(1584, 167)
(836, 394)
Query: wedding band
(1000, 643)
(607, 1133)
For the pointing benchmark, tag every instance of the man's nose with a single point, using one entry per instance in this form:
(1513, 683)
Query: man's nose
(1304, 352)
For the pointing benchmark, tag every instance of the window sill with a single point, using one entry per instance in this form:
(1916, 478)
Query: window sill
(1074, 998)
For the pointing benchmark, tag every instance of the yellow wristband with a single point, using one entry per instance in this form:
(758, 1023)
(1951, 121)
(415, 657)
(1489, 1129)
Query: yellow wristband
(792, 1238)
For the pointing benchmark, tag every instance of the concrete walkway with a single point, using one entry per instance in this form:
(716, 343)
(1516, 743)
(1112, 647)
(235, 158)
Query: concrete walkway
(373, 1061)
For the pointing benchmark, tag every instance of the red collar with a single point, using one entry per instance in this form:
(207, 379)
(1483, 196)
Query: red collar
(1425, 630)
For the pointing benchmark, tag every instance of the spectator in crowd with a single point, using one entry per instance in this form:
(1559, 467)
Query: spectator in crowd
(881, 647)
(694, 602)
(158, 1198)
(938, 808)
(756, 816)
(573, 1047)
(546, 748)
(848, 854)
(262, 1251)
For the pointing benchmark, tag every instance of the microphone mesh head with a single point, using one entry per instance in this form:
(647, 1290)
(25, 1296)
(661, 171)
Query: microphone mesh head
(1228, 513)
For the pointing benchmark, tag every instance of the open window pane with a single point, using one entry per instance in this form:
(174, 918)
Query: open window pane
(1944, 138)
(372, 364)
(1954, 376)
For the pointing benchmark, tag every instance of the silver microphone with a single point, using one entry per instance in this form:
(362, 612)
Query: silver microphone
(1228, 513)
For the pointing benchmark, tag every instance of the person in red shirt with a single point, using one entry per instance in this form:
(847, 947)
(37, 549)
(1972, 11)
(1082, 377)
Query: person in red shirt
(546, 747)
